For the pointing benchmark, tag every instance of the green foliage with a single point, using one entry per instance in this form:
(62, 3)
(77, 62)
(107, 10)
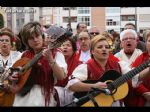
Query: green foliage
(1, 21)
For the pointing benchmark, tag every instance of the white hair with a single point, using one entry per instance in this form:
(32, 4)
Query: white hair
(128, 31)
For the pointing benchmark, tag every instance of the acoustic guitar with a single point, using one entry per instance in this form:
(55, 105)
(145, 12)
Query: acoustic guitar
(116, 84)
(25, 66)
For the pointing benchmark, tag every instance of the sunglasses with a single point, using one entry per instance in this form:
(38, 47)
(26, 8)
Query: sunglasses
(94, 33)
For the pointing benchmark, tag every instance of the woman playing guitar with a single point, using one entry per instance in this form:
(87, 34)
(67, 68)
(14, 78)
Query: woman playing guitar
(96, 70)
(7, 59)
(36, 86)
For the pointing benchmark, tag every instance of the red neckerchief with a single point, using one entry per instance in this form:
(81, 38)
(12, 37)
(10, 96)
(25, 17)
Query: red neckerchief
(95, 71)
(141, 59)
(44, 74)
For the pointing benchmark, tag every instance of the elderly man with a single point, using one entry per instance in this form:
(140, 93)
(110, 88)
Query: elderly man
(80, 27)
(140, 44)
(129, 51)
(94, 31)
(84, 42)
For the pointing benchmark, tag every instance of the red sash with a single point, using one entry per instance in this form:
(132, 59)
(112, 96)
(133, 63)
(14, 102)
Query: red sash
(72, 63)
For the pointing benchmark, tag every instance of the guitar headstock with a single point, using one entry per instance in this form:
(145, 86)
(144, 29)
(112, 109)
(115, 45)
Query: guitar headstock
(57, 36)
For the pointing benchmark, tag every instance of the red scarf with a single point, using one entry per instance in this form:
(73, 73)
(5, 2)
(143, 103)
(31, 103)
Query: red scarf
(78, 54)
(72, 63)
(44, 75)
(135, 97)
(141, 59)
(95, 71)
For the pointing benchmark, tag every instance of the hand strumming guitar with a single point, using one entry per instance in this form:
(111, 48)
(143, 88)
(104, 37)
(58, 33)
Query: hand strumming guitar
(100, 85)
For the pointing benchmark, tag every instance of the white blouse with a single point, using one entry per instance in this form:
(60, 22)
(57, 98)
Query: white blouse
(13, 57)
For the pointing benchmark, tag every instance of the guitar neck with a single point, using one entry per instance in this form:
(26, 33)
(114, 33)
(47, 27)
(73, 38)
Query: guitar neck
(32, 62)
(124, 78)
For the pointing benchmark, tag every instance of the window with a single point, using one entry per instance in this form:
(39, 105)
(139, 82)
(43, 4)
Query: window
(111, 22)
(31, 14)
(83, 10)
(72, 8)
(144, 17)
(84, 19)
(128, 17)
(66, 19)
(65, 8)
(112, 9)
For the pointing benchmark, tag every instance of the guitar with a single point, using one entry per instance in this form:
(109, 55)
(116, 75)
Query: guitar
(25, 66)
(116, 84)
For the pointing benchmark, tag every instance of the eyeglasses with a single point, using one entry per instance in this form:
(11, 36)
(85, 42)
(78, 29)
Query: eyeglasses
(94, 33)
(130, 38)
(2, 40)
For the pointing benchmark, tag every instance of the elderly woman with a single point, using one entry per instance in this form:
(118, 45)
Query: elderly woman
(7, 59)
(69, 50)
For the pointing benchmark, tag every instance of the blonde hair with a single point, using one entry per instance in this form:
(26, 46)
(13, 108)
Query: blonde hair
(107, 35)
(97, 39)
(146, 34)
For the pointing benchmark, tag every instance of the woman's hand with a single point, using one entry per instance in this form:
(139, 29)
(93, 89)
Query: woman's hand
(14, 78)
(47, 53)
(100, 85)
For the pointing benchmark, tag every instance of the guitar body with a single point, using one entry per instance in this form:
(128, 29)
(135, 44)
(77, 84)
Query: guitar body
(23, 76)
(103, 99)
(7, 98)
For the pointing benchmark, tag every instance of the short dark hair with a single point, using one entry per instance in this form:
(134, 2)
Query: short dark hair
(73, 43)
(130, 24)
(78, 25)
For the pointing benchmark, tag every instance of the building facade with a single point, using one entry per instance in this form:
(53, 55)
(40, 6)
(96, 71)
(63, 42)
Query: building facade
(16, 17)
(117, 17)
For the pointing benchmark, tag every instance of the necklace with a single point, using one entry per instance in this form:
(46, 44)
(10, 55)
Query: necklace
(5, 54)
(5, 57)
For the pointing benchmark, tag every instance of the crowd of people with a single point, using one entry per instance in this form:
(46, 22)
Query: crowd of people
(51, 66)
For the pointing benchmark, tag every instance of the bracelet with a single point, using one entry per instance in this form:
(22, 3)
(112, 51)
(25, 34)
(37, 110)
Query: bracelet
(52, 63)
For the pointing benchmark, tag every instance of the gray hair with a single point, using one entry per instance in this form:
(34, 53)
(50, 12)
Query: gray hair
(128, 31)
